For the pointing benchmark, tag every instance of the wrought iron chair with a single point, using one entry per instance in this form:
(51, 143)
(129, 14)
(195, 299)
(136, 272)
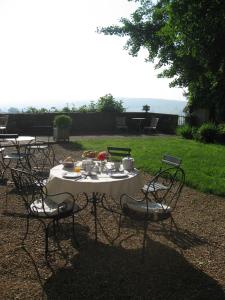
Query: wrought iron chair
(12, 154)
(171, 160)
(42, 206)
(121, 123)
(118, 151)
(41, 157)
(152, 127)
(3, 185)
(167, 162)
(158, 203)
(3, 124)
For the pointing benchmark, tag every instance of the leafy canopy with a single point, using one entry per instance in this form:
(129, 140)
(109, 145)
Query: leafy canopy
(185, 39)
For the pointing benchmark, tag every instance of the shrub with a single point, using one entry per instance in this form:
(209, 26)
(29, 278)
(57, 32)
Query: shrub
(185, 131)
(62, 121)
(207, 133)
(221, 134)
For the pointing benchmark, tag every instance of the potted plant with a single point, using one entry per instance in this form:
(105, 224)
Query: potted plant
(146, 108)
(61, 127)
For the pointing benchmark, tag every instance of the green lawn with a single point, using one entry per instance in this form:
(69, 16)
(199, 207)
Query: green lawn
(204, 164)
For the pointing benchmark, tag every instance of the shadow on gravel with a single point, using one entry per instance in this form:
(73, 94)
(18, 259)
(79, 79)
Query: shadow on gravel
(103, 271)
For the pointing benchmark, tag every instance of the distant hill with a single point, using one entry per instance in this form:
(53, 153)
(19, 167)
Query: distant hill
(156, 105)
(131, 104)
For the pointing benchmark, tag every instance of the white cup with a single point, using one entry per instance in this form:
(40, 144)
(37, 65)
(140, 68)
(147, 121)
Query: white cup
(117, 165)
(88, 168)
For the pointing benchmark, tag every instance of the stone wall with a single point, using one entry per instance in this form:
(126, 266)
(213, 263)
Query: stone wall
(85, 123)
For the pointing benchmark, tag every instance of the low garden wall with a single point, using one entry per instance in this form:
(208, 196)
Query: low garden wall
(85, 123)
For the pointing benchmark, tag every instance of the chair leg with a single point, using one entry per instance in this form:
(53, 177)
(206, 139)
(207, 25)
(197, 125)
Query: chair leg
(27, 228)
(46, 241)
(119, 225)
(144, 241)
(74, 235)
(54, 231)
(95, 216)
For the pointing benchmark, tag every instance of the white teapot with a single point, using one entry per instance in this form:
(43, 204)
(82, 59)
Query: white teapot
(128, 163)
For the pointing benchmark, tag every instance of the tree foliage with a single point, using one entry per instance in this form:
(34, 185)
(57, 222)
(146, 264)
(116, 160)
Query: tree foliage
(186, 39)
(146, 108)
(108, 103)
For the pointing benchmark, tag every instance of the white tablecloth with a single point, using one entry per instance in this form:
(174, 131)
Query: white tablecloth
(102, 183)
(21, 139)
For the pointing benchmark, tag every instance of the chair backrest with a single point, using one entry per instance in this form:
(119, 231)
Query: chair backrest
(121, 121)
(154, 123)
(119, 151)
(171, 160)
(4, 120)
(27, 185)
(172, 181)
(41, 157)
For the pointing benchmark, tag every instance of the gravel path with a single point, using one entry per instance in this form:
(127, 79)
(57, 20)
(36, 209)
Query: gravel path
(190, 265)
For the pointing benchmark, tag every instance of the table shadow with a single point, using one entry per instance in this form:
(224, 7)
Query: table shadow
(103, 271)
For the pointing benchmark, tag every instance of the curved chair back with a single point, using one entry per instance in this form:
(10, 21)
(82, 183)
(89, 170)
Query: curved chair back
(165, 188)
(41, 157)
(3, 123)
(119, 151)
(171, 160)
(121, 123)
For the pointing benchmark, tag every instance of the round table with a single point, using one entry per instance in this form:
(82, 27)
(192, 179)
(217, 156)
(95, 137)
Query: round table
(102, 183)
(21, 139)
(98, 186)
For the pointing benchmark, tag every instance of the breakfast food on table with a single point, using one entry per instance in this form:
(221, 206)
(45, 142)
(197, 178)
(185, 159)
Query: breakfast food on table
(69, 159)
(90, 154)
(102, 155)
(68, 162)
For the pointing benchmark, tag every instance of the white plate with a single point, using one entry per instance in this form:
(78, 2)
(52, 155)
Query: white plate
(119, 175)
(72, 175)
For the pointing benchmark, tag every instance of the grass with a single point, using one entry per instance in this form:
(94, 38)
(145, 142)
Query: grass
(203, 163)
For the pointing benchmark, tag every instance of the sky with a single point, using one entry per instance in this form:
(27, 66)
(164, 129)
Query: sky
(51, 54)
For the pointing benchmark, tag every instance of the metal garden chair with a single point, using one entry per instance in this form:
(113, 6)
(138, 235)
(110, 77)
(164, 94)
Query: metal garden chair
(152, 127)
(121, 123)
(39, 205)
(119, 151)
(158, 202)
(3, 124)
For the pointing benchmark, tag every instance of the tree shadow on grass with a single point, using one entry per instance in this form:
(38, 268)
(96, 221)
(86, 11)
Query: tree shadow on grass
(103, 271)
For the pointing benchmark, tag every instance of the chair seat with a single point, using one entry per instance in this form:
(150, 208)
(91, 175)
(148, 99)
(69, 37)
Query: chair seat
(39, 147)
(49, 208)
(154, 187)
(140, 210)
(15, 156)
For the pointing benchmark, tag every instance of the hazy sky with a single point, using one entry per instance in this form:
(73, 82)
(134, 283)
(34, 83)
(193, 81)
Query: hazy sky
(50, 54)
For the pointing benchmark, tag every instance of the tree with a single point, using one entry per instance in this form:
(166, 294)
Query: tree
(53, 109)
(13, 110)
(43, 110)
(185, 38)
(32, 110)
(146, 108)
(108, 103)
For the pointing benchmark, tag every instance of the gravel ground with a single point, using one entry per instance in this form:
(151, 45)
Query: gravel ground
(188, 265)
